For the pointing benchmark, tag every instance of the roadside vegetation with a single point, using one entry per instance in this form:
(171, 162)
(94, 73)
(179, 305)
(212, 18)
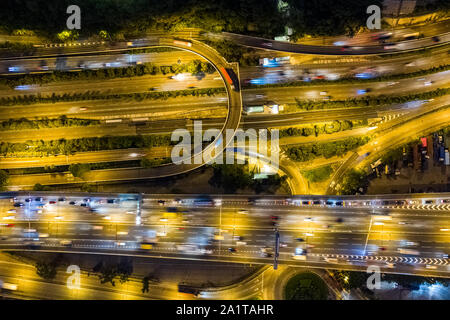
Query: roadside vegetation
(353, 181)
(107, 273)
(306, 286)
(317, 129)
(233, 52)
(134, 18)
(16, 49)
(312, 151)
(318, 174)
(4, 175)
(239, 176)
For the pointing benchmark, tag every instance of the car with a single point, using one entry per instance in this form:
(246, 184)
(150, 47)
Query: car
(308, 219)
(267, 44)
(390, 46)
(72, 203)
(232, 250)
(327, 98)
(243, 212)
(52, 202)
(300, 239)
(427, 83)
(12, 211)
(435, 39)
(14, 69)
(65, 243)
(18, 204)
(83, 204)
(28, 200)
(390, 265)
(39, 199)
(323, 93)
(83, 108)
(383, 248)
(283, 244)
(339, 220)
(260, 96)
(61, 199)
(361, 91)
(345, 48)
(161, 202)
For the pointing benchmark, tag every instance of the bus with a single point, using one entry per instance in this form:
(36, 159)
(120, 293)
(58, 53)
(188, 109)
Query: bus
(230, 77)
(146, 246)
(182, 43)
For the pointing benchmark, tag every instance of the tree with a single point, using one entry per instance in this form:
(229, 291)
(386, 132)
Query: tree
(124, 269)
(145, 284)
(46, 270)
(107, 274)
(3, 178)
(78, 169)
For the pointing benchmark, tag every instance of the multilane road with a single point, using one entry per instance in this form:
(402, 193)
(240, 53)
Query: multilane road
(351, 233)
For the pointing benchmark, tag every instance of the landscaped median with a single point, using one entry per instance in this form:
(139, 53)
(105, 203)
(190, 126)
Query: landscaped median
(60, 122)
(63, 146)
(370, 100)
(97, 95)
(311, 151)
